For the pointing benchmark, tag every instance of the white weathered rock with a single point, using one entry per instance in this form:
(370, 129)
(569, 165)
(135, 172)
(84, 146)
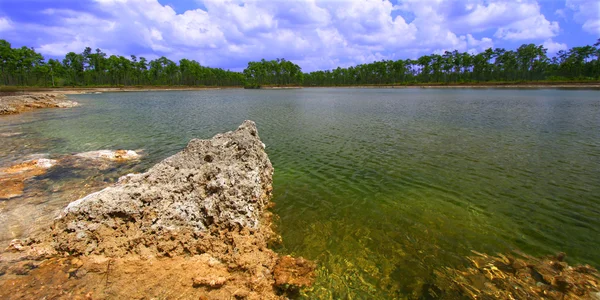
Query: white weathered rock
(223, 182)
(110, 154)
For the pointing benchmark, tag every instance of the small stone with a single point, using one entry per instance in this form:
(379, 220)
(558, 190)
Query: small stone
(209, 281)
(15, 245)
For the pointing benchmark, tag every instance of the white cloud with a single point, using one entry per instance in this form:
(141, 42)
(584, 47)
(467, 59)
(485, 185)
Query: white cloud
(561, 13)
(5, 24)
(586, 12)
(316, 34)
(476, 46)
(536, 27)
(513, 20)
(554, 47)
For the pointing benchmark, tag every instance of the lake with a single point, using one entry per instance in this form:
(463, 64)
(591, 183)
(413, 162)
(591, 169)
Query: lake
(381, 186)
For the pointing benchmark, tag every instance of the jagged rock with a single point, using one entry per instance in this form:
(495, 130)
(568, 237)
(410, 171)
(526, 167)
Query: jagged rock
(224, 182)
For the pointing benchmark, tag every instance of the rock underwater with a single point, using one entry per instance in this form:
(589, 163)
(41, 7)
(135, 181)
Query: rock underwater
(196, 224)
(12, 178)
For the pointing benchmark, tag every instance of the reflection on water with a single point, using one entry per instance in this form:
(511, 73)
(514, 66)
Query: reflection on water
(382, 187)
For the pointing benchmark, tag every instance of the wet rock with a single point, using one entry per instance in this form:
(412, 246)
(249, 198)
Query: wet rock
(523, 277)
(114, 155)
(10, 134)
(12, 179)
(22, 268)
(294, 273)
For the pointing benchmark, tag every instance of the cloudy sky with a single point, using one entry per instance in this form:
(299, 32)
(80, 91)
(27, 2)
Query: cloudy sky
(316, 34)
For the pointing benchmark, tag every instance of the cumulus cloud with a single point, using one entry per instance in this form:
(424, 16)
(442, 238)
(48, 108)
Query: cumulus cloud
(586, 12)
(554, 47)
(536, 27)
(317, 34)
(5, 24)
(447, 24)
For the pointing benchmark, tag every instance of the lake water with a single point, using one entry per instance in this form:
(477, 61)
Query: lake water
(382, 187)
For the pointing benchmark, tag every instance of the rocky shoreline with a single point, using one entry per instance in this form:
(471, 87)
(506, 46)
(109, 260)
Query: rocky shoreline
(194, 226)
(21, 103)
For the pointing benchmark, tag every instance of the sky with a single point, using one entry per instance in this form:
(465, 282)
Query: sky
(315, 34)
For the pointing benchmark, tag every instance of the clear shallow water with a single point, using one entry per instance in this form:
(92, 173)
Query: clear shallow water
(382, 187)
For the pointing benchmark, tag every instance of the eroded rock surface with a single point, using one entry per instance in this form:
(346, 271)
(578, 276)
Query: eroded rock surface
(17, 104)
(196, 225)
(224, 182)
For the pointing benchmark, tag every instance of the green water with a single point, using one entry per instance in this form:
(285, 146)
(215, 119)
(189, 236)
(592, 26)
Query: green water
(381, 187)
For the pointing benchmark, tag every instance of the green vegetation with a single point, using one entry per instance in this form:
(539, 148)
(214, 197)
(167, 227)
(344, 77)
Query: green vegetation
(274, 72)
(24, 67)
(529, 63)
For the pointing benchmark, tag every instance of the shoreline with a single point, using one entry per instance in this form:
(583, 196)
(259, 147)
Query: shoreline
(86, 90)
(29, 98)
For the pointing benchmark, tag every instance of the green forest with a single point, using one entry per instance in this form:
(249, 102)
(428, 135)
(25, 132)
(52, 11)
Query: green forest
(528, 63)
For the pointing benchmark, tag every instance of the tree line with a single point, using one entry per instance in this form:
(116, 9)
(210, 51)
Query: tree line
(25, 67)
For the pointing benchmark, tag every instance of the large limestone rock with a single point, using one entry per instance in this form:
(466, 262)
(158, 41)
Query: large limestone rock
(21, 103)
(219, 184)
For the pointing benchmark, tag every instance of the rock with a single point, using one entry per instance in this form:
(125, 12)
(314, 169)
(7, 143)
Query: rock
(294, 273)
(12, 179)
(224, 182)
(114, 155)
(210, 281)
(535, 278)
(31, 166)
(22, 268)
(10, 134)
(22, 103)
(16, 246)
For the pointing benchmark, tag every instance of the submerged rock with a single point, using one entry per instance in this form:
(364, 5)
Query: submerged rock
(195, 224)
(12, 179)
(10, 134)
(115, 155)
(518, 277)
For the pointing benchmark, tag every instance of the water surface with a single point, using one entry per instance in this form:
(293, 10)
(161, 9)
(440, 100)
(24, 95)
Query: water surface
(381, 187)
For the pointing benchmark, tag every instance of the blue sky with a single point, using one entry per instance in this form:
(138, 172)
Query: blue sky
(316, 34)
